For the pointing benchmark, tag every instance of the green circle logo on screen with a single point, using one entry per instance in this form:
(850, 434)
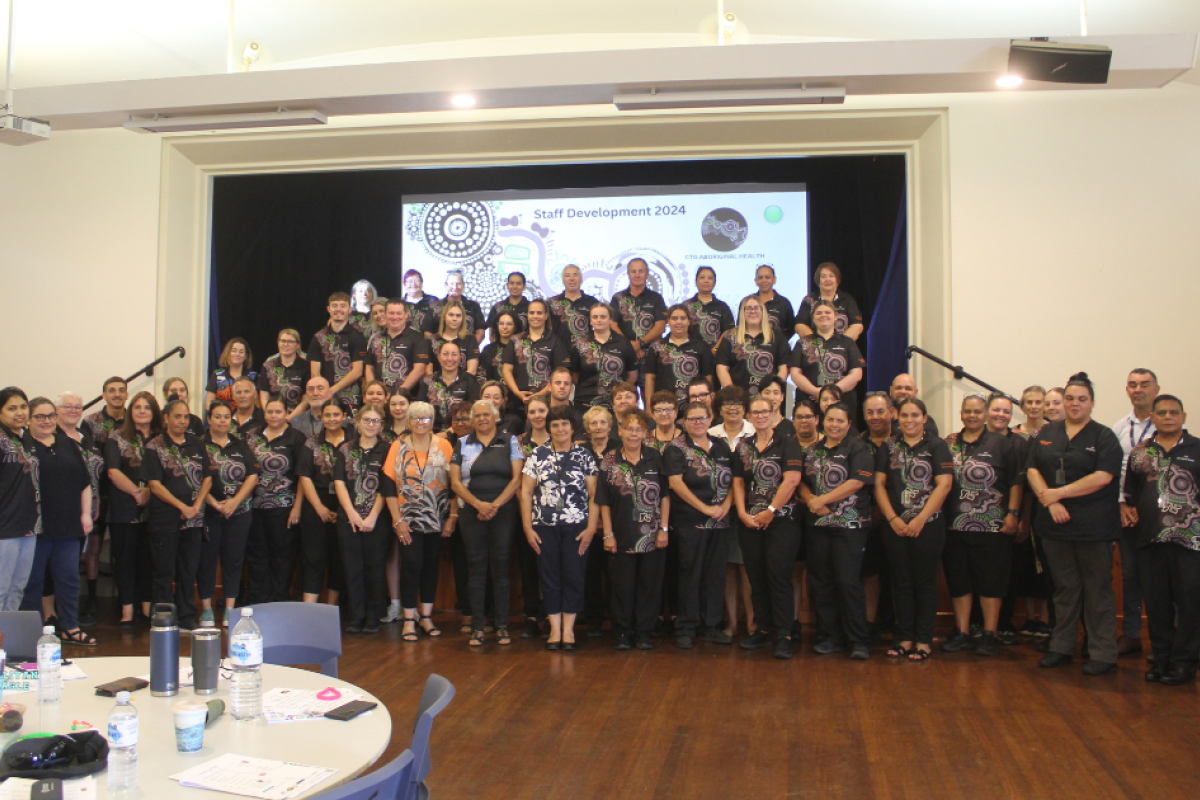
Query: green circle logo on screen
(773, 214)
(724, 229)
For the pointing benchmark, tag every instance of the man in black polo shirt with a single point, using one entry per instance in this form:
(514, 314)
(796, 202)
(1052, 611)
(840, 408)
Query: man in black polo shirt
(569, 311)
(99, 424)
(336, 353)
(399, 355)
(641, 312)
(515, 304)
(904, 387)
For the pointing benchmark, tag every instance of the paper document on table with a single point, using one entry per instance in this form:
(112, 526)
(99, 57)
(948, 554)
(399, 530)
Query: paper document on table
(76, 789)
(296, 705)
(17, 680)
(253, 777)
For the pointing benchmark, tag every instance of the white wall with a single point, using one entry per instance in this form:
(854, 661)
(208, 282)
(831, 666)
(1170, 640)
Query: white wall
(1073, 218)
(78, 253)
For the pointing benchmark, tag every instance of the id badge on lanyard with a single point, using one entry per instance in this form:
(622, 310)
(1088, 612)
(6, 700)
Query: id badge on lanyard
(1060, 474)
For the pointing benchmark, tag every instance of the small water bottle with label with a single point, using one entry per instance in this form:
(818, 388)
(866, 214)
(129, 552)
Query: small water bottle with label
(122, 745)
(245, 655)
(49, 662)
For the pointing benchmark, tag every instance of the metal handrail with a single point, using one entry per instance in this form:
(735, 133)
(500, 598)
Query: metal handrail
(959, 372)
(146, 370)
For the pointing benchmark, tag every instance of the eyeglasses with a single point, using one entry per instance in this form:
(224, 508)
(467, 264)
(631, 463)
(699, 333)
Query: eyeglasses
(698, 419)
(423, 420)
(289, 341)
(762, 412)
(665, 410)
(71, 408)
(806, 417)
(45, 417)
(369, 421)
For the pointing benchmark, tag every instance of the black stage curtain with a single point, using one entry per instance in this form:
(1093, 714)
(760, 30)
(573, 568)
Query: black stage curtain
(283, 243)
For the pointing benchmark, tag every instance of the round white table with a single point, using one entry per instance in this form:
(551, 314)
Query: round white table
(349, 747)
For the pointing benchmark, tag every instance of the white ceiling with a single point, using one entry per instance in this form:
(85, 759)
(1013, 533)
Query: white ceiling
(65, 42)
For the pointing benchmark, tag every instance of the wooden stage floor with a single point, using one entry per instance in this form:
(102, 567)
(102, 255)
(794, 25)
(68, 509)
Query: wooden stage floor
(720, 722)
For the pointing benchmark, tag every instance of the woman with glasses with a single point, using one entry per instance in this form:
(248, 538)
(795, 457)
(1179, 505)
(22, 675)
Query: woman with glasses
(826, 357)
(320, 550)
(732, 427)
(699, 470)
(227, 519)
(664, 408)
(128, 500)
(1072, 468)
(285, 374)
(418, 497)
(766, 472)
(236, 361)
(838, 477)
(485, 473)
(363, 535)
(560, 517)
(711, 316)
(752, 351)
(673, 361)
(848, 319)
(602, 359)
(65, 494)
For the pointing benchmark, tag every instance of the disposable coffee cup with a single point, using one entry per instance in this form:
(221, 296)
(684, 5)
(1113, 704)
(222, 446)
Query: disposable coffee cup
(190, 716)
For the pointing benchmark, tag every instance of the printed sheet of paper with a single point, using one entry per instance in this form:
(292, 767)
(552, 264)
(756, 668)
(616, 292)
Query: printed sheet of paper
(254, 777)
(19, 680)
(297, 705)
(77, 789)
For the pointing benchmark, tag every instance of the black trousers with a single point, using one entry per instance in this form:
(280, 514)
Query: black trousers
(670, 606)
(597, 585)
(913, 563)
(701, 577)
(364, 554)
(224, 542)
(768, 555)
(531, 588)
(320, 553)
(419, 568)
(270, 556)
(175, 554)
(835, 574)
(131, 561)
(636, 580)
(1170, 578)
(489, 554)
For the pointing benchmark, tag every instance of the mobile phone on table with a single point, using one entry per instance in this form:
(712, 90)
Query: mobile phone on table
(348, 711)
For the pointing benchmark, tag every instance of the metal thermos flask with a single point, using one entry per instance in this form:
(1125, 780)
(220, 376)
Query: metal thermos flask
(206, 659)
(164, 651)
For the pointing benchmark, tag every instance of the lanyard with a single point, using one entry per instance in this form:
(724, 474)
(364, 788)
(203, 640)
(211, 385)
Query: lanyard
(1145, 430)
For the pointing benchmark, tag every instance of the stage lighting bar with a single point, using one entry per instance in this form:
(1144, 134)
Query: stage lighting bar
(729, 98)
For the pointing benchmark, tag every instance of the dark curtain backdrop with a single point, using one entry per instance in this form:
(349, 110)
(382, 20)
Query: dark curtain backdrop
(283, 243)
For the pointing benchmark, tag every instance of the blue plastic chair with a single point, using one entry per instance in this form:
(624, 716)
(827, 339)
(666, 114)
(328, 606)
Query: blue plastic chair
(385, 783)
(21, 629)
(437, 695)
(298, 633)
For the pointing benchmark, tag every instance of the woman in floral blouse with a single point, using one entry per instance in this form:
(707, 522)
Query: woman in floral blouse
(559, 517)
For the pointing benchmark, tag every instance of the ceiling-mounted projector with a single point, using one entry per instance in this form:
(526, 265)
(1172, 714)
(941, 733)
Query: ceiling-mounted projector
(17, 131)
(1042, 60)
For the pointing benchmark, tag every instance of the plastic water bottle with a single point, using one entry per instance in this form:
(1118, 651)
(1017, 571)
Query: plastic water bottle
(122, 745)
(49, 661)
(245, 654)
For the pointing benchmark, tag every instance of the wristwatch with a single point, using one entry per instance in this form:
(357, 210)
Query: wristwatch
(772, 509)
(664, 530)
(1016, 512)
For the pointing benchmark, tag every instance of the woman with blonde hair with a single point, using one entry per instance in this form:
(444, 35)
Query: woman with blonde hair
(452, 327)
(753, 350)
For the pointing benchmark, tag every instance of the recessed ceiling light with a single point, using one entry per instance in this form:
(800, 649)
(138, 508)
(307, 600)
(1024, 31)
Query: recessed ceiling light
(1009, 81)
(463, 100)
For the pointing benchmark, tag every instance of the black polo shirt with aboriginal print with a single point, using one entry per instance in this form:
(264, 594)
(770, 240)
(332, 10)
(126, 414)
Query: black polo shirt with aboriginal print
(232, 465)
(762, 471)
(637, 315)
(393, 357)
(434, 389)
(826, 468)
(985, 470)
(533, 360)
(749, 362)
(126, 457)
(360, 469)
(569, 319)
(709, 320)
(843, 305)
(317, 460)
(473, 321)
(911, 471)
(277, 461)
(709, 476)
(337, 352)
(600, 367)
(1163, 484)
(181, 469)
(287, 382)
(633, 493)
(520, 310)
(674, 365)
(825, 361)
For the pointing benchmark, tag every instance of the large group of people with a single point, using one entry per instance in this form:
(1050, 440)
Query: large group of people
(638, 461)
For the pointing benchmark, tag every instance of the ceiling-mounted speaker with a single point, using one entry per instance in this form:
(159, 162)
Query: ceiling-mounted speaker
(1040, 60)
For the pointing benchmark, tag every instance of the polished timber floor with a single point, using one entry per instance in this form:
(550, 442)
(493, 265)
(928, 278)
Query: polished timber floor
(720, 722)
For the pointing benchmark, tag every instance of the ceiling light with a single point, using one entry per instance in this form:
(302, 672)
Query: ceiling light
(1009, 81)
(219, 122)
(463, 100)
